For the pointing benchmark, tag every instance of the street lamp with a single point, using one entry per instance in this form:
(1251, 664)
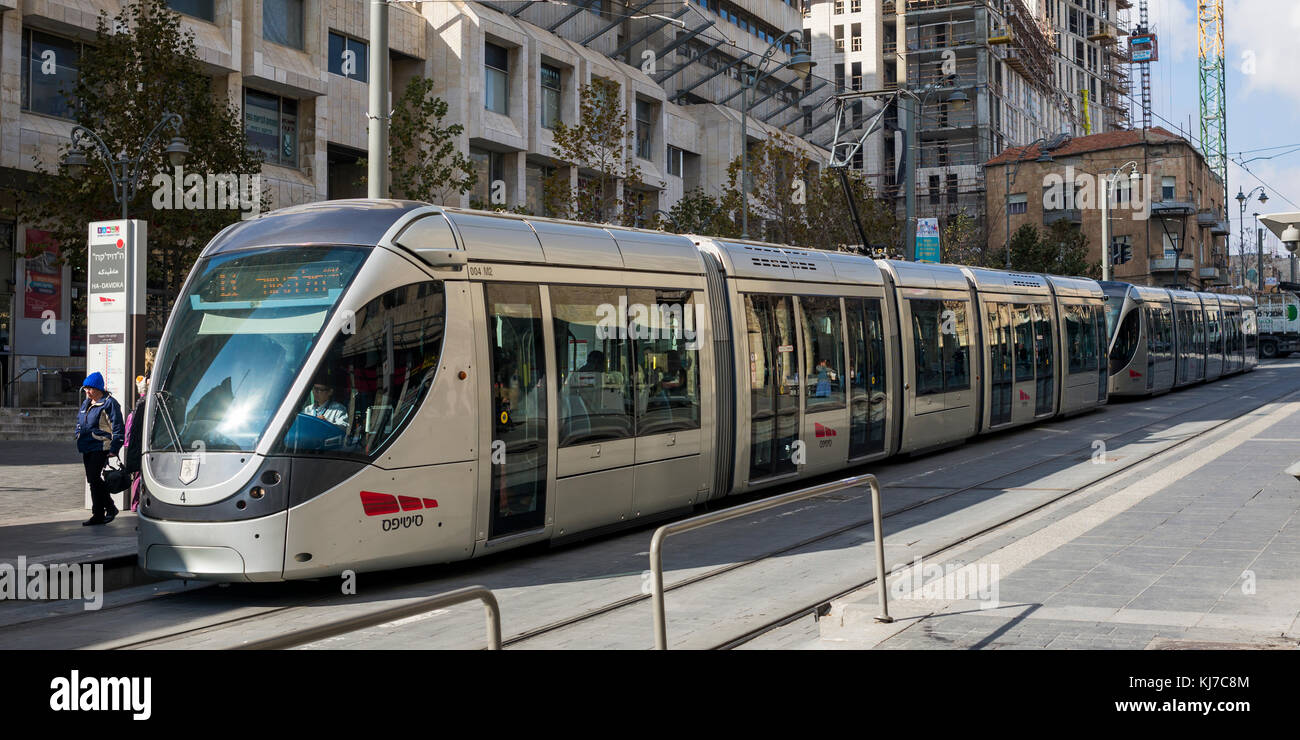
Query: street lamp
(1242, 199)
(1135, 178)
(801, 63)
(124, 172)
(1010, 171)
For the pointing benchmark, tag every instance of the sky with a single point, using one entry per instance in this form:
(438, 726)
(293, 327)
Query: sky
(1263, 93)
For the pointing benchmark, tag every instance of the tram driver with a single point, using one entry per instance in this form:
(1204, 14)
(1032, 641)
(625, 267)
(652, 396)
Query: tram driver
(323, 407)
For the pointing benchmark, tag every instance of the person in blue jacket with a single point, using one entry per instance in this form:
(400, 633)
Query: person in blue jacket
(100, 433)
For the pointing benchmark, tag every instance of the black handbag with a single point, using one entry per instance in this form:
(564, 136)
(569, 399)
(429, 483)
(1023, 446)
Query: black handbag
(116, 479)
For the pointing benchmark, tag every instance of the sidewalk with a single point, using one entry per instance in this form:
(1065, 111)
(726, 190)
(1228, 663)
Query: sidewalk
(41, 508)
(1197, 548)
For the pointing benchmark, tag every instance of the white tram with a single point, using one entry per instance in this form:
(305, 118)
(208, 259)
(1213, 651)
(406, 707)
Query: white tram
(375, 384)
(1164, 339)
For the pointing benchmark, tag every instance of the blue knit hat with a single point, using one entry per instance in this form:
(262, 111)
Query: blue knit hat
(94, 380)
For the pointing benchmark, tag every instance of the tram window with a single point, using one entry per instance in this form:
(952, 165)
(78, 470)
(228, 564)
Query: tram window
(666, 347)
(927, 328)
(771, 333)
(1101, 335)
(1000, 349)
(956, 347)
(1043, 399)
(823, 353)
(593, 371)
(1024, 331)
(942, 345)
(372, 378)
(1080, 339)
(1126, 341)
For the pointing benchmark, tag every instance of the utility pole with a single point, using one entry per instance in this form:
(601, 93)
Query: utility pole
(377, 154)
(1105, 231)
(911, 113)
(1259, 284)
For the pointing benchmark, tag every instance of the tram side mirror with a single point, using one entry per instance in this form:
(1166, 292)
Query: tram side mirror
(445, 259)
(431, 238)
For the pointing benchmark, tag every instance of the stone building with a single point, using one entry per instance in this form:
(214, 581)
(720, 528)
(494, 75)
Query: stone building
(1171, 221)
(298, 69)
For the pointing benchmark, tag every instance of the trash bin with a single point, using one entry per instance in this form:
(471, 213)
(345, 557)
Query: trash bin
(51, 382)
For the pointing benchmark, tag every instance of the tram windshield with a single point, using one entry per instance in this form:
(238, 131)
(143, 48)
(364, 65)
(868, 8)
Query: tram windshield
(239, 338)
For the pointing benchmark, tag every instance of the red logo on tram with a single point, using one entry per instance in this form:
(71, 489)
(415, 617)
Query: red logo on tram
(1024, 396)
(821, 430)
(1134, 374)
(381, 504)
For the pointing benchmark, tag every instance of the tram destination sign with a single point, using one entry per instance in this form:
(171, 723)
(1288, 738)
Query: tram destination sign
(273, 282)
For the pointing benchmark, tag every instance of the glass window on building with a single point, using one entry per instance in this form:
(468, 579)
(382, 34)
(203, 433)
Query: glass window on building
(675, 160)
(490, 167)
(49, 73)
(1168, 187)
(282, 22)
(1017, 203)
(496, 80)
(644, 128)
(196, 8)
(271, 124)
(551, 94)
(348, 57)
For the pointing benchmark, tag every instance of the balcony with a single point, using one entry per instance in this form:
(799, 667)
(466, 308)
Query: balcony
(1073, 215)
(1172, 208)
(1216, 275)
(1166, 264)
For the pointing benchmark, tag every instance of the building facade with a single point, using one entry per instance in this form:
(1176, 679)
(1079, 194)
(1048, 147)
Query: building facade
(298, 70)
(1027, 69)
(1171, 222)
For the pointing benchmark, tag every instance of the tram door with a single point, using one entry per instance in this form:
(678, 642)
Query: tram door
(519, 436)
(773, 384)
(1001, 362)
(866, 376)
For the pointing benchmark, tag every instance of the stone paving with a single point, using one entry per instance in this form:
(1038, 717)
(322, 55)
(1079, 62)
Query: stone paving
(39, 479)
(1213, 557)
(42, 489)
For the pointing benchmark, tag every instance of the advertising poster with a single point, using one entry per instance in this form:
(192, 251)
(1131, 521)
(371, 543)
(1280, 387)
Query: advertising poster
(927, 240)
(43, 277)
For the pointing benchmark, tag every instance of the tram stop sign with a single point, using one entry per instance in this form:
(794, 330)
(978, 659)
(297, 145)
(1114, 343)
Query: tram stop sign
(115, 307)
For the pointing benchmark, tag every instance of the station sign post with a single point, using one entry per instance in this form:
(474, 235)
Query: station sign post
(116, 254)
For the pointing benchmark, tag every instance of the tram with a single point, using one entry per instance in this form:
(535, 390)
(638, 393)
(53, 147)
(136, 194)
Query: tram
(1164, 339)
(372, 384)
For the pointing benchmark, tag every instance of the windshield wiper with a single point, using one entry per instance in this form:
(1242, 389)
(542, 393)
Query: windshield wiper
(160, 396)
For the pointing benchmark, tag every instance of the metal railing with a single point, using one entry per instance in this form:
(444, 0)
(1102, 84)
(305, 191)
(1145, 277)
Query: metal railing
(341, 626)
(703, 520)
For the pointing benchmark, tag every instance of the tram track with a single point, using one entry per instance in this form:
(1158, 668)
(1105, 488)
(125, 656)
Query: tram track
(810, 608)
